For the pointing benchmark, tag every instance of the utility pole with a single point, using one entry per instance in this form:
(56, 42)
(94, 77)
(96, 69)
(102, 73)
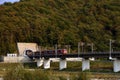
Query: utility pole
(78, 49)
(92, 47)
(56, 50)
(110, 46)
(39, 47)
(82, 44)
(69, 47)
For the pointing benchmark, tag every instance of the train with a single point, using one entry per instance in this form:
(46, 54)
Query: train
(59, 51)
(37, 54)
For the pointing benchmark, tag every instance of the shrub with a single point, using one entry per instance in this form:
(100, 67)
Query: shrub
(19, 73)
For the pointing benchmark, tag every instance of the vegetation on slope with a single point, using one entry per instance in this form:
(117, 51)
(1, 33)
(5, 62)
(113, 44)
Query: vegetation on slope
(49, 22)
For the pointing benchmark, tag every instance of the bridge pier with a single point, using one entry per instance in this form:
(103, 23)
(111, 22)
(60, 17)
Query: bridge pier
(62, 64)
(85, 64)
(39, 62)
(46, 63)
(116, 65)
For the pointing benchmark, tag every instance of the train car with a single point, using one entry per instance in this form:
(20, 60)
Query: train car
(59, 51)
(32, 54)
(37, 54)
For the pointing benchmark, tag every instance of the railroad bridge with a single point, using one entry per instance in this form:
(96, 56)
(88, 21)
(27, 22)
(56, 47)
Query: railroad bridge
(45, 59)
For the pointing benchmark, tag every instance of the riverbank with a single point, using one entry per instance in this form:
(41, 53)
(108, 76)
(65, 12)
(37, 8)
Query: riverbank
(99, 70)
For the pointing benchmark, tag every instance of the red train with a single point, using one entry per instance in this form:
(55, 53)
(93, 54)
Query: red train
(37, 54)
(59, 51)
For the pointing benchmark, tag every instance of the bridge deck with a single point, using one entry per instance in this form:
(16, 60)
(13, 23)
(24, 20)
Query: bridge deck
(83, 55)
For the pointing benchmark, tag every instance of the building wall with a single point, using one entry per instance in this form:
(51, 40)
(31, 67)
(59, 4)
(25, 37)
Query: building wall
(26, 46)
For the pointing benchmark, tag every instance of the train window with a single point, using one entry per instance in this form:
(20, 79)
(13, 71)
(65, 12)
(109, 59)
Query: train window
(59, 51)
(42, 52)
(50, 51)
(64, 51)
(54, 52)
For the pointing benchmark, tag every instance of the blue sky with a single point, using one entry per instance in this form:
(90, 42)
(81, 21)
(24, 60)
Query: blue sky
(12, 1)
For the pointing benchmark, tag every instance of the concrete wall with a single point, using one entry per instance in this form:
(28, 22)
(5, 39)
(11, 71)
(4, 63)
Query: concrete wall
(16, 59)
(13, 58)
(1, 58)
(25, 46)
(1, 78)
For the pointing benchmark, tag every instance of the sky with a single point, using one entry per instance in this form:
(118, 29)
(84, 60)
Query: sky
(12, 1)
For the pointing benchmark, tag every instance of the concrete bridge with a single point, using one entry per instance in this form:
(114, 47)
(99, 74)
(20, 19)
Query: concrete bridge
(45, 59)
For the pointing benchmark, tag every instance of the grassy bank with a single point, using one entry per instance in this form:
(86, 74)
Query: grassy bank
(29, 71)
(20, 73)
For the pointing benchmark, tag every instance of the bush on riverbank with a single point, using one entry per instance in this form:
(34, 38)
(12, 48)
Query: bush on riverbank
(19, 73)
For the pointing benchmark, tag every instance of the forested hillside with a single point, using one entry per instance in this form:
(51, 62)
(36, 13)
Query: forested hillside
(49, 22)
